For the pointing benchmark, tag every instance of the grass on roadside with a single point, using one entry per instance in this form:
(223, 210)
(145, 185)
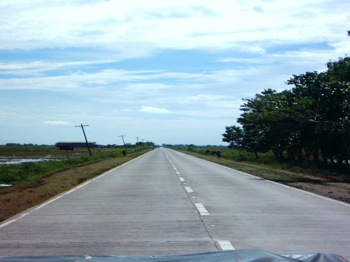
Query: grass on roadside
(28, 173)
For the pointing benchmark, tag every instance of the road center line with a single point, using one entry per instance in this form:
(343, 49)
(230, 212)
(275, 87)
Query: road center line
(181, 179)
(188, 189)
(225, 245)
(202, 210)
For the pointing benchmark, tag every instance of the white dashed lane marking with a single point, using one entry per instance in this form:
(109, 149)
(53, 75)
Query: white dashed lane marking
(202, 210)
(225, 245)
(188, 189)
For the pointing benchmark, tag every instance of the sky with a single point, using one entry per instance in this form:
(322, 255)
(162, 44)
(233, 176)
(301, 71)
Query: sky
(166, 71)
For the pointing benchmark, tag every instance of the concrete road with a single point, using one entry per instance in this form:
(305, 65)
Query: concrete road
(167, 203)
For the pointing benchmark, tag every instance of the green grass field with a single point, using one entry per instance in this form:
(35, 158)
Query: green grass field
(267, 160)
(29, 173)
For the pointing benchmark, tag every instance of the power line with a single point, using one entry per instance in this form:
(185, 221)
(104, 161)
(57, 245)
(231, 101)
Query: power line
(21, 113)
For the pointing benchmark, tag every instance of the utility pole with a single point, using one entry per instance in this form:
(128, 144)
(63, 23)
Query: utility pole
(87, 143)
(124, 151)
(137, 140)
(122, 136)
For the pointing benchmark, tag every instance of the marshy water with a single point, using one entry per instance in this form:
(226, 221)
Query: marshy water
(13, 160)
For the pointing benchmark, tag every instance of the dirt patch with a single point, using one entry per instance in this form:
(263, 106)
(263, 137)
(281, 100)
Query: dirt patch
(328, 187)
(339, 191)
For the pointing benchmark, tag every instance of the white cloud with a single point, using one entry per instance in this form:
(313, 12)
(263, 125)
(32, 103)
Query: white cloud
(154, 110)
(169, 24)
(57, 123)
(37, 68)
(103, 62)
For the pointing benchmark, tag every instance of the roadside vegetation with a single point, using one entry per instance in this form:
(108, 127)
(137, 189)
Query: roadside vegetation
(305, 125)
(299, 137)
(28, 173)
(33, 183)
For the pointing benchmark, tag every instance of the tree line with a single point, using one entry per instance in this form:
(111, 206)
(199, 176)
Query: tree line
(308, 122)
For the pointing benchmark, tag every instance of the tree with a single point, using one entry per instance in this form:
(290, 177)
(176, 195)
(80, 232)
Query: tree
(234, 136)
(308, 120)
(267, 122)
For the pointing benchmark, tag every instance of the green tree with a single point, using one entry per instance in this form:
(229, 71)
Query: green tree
(310, 120)
(234, 136)
(327, 107)
(268, 122)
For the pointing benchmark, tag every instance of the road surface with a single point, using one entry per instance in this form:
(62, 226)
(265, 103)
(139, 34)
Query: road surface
(169, 203)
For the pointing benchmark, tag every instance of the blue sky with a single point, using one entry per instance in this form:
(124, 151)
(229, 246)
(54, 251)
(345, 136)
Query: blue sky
(163, 71)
